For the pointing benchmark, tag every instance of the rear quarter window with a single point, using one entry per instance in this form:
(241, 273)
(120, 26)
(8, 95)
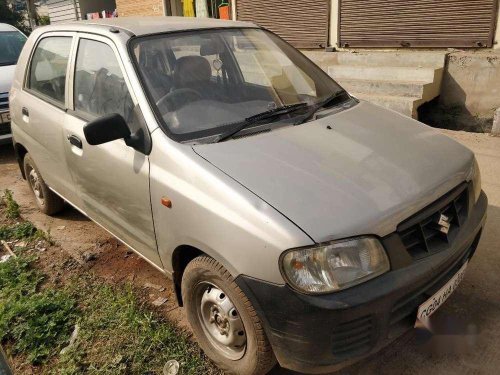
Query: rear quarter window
(47, 75)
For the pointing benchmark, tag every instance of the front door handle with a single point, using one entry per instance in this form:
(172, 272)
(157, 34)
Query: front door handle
(75, 141)
(25, 112)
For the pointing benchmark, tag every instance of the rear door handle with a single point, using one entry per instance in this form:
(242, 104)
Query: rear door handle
(75, 141)
(25, 112)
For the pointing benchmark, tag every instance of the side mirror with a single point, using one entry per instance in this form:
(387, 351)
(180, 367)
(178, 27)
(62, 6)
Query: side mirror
(106, 129)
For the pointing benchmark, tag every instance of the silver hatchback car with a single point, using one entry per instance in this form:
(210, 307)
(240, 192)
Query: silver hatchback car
(298, 224)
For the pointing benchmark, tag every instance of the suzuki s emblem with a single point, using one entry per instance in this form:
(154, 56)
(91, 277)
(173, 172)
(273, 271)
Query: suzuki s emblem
(444, 224)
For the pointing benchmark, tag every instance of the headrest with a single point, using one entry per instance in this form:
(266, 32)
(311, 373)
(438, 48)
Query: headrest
(191, 70)
(211, 47)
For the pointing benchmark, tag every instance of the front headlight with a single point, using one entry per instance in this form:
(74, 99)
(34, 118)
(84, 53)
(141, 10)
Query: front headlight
(334, 266)
(476, 180)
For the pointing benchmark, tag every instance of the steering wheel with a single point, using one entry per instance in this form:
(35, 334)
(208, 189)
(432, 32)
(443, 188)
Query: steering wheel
(177, 98)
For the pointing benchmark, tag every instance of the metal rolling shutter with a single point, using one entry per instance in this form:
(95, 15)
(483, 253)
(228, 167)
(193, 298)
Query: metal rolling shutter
(417, 23)
(303, 24)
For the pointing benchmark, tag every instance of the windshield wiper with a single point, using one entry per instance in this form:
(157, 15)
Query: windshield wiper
(319, 105)
(240, 125)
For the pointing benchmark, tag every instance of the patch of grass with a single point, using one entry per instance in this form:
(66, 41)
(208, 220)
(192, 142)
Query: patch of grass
(19, 231)
(36, 323)
(42, 235)
(118, 335)
(11, 206)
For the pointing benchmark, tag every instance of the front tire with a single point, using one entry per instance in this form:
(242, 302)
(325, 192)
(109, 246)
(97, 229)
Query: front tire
(224, 320)
(47, 201)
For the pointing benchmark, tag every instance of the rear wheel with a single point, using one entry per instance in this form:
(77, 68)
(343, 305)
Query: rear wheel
(47, 201)
(223, 319)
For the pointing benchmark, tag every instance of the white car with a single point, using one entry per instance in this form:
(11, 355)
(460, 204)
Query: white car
(11, 44)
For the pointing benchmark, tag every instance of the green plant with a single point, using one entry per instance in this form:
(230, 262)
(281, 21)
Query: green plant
(11, 16)
(24, 230)
(11, 206)
(36, 323)
(18, 278)
(120, 336)
(42, 20)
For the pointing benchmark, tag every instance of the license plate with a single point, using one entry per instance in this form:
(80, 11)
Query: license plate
(4, 117)
(430, 306)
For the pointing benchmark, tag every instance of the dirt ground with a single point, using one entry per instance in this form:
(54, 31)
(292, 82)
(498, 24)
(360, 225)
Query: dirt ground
(467, 339)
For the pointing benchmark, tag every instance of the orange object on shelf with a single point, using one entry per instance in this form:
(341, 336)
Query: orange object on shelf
(224, 12)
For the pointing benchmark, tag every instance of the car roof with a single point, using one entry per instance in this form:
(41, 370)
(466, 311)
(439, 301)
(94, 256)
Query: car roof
(152, 25)
(7, 27)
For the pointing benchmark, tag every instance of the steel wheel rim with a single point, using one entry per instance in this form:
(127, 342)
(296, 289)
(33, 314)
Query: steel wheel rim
(220, 320)
(36, 184)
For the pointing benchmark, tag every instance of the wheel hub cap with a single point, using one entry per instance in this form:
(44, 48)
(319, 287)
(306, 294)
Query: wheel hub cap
(36, 185)
(221, 322)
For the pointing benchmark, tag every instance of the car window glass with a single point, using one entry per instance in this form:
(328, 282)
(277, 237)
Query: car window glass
(48, 67)
(11, 44)
(201, 82)
(263, 64)
(100, 87)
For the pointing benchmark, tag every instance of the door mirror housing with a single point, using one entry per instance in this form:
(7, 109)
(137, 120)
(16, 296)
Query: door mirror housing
(106, 129)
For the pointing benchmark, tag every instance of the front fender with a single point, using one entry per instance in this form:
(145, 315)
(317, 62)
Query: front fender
(215, 214)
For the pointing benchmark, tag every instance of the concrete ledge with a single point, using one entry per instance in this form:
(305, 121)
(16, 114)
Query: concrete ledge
(471, 80)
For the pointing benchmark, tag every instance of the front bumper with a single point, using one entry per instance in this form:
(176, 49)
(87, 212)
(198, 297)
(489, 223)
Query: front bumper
(5, 131)
(323, 333)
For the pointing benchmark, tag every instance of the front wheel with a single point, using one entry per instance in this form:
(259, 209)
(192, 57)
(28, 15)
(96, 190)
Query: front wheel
(223, 319)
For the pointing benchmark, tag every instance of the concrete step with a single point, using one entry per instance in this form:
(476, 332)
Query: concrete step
(425, 91)
(397, 80)
(385, 58)
(407, 59)
(381, 87)
(402, 104)
(385, 73)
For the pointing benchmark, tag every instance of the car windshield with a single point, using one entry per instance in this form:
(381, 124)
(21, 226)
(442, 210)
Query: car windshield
(11, 44)
(202, 83)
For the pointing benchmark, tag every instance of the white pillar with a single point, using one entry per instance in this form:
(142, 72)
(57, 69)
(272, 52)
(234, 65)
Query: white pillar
(496, 123)
(334, 23)
(233, 10)
(497, 33)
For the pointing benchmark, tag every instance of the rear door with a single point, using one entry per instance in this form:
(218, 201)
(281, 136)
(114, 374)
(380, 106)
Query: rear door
(44, 103)
(113, 178)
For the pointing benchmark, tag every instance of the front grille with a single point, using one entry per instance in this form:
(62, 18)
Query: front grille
(4, 101)
(354, 337)
(404, 312)
(435, 227)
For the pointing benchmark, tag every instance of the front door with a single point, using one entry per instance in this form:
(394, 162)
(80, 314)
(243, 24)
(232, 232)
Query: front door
(113, 178)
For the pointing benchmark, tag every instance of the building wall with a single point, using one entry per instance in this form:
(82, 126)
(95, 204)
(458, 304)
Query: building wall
(140, 8)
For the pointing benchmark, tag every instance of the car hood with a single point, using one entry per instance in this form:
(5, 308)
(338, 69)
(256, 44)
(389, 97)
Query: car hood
(6, 76)
(370, 171)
